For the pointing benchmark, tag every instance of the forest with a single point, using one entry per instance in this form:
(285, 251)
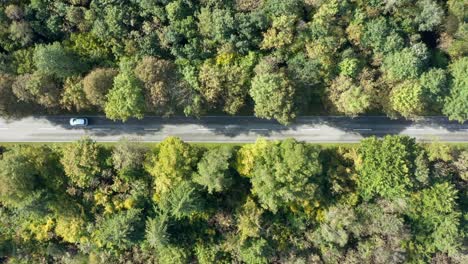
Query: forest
(388, 200)
(276, 59)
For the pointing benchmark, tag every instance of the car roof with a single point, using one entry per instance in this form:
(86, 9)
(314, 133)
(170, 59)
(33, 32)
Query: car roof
(78, 121)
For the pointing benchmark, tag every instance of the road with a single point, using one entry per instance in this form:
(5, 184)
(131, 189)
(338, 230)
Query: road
(229, 129)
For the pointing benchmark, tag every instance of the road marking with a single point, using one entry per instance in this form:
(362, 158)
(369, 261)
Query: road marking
(205, 129)
(48, 128)
(363, 129)
(258, 129)
(100, 128)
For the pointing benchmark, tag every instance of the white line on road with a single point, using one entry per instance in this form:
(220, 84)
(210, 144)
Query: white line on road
(363, 129)
(205, 129)
(100, 128)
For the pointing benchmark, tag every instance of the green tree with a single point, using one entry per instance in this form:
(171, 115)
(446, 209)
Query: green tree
(128, 155)
(20, 180)
(435, 220)
(37, 88)
(225, 80)
(8, 100)
(285, 173)
(73, 95)
(405, 64)
(435, 88)
(347, 97)
(385, 167)
(250, 220)
(174, 161)
(97, 84)
(118, 231)
(125, 99)
(56, 60)
(81, 162)
(272, 93)
(214, 171)
(456, 105)
(407, 99)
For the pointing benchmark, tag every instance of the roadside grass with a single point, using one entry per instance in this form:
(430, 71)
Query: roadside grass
(455, 145)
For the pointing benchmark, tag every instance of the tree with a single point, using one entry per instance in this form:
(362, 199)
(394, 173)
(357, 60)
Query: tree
(73, 95)
(37, 88)
(285, 173)
(456, 105)
(385, 167)
(128, 155)
(165, 92)
(405, 64)
(214, 169)
(225, 80)
(56, 60)
(125, 99)
(174, 162)
(407, 99)
(281, 33)
(430, 16)
(117, 232)
(8, 99)
(435, 86)
(20, 180)
(250, 220)
(347, 97)
(435, 220)
(97, 84)
(81, 162)
(272, 93)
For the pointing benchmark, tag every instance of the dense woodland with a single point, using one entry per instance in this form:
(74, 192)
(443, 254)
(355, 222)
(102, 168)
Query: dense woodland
(274, 58)
(383, 201)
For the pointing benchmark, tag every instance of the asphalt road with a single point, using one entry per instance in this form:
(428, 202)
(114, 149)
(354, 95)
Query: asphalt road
(229, 129)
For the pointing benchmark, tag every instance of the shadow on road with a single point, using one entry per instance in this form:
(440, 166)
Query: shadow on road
(237, 125)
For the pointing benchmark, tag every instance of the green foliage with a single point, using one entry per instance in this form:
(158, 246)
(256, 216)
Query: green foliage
(125, 99)
(272, 93)
(347, 97)
(435, 218)
(405, 64)
(383, 201)
(214, 171)
(19, 178)
(197, 57)
(285, 173)
(174, 163)
(407, 99)
(73, 95)
(385, 167)
(81, 162)
(226, 80)
(117, 231)
(456, 106)
(56, 60)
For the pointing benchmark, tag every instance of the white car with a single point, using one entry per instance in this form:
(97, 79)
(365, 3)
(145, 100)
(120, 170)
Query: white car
(79, 121)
